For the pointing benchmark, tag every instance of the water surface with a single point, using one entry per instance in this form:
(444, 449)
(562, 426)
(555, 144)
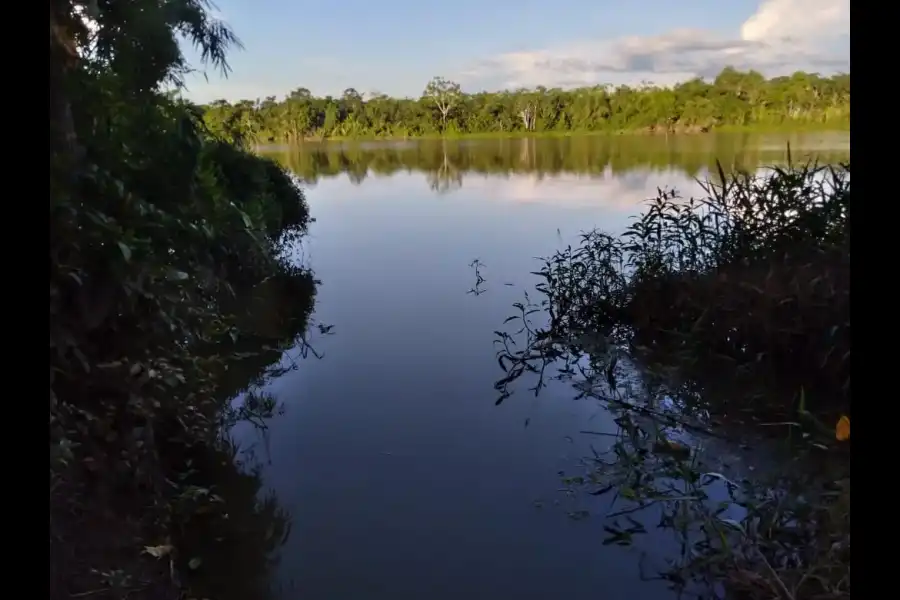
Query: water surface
(402, 478)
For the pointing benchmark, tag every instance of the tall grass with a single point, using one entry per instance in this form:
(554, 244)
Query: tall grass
(735, 307)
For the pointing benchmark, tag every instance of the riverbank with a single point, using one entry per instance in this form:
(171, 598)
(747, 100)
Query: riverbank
(162, 240)
(163, 507)
(642, 132)
(736, 321)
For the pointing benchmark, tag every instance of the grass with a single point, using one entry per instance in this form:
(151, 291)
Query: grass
(734, 309)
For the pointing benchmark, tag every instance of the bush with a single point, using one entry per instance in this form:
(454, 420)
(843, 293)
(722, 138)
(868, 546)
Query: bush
(733, 308)
(162, 237)
(756, 274)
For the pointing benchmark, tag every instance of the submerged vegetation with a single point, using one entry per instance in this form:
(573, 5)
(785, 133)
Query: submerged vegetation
(733, 99)
(725, 316)
(163, 237)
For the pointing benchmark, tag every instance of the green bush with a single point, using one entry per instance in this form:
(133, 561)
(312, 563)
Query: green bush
(757, 275)
(735, 307)
(163, 242)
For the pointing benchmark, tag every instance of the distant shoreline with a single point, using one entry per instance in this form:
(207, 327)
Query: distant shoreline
(634, 134)
(650, 133)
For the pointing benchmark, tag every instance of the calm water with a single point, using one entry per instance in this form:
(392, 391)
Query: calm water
(402, 478)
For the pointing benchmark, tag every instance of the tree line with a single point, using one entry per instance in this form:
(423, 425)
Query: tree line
(733, 99)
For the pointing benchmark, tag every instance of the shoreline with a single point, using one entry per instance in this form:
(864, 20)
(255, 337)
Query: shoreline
(632, 133)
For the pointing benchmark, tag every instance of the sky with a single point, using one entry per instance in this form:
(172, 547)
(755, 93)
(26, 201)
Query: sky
(396, 46)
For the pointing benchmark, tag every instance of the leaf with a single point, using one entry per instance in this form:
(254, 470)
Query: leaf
(672, 448)
(176, 275)
(195, 563)
(159, 551)
(126, 250)
(721, 477)
(602, 490)
(732, 523)
(842, 429)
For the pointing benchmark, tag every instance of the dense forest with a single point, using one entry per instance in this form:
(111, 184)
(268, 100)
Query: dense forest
(734, 99)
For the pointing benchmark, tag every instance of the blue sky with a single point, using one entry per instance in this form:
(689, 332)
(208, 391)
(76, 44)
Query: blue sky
(396, 46)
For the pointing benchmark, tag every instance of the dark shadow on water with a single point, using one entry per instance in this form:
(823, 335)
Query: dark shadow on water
(229, 545)
(234, 546)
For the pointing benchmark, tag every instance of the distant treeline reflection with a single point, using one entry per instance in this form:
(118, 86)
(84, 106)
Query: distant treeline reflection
(445, 162)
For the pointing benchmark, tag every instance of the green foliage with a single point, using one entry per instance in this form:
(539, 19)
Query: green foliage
(162, 237)
(730, 310)
(755, 274)
(733, 99)
(151, 246)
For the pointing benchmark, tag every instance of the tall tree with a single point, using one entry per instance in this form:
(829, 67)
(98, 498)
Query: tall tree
(445, 95)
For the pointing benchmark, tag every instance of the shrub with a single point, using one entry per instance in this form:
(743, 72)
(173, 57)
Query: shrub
(161, 235)
(734, 307)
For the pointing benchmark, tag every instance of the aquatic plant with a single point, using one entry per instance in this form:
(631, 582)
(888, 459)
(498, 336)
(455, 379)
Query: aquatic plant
(733, 311)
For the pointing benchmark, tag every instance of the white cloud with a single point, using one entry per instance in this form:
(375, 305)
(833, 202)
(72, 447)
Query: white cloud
(805, 19)
(780, 37)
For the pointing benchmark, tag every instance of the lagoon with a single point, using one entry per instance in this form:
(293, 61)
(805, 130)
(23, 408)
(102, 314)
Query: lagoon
(401, 477)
